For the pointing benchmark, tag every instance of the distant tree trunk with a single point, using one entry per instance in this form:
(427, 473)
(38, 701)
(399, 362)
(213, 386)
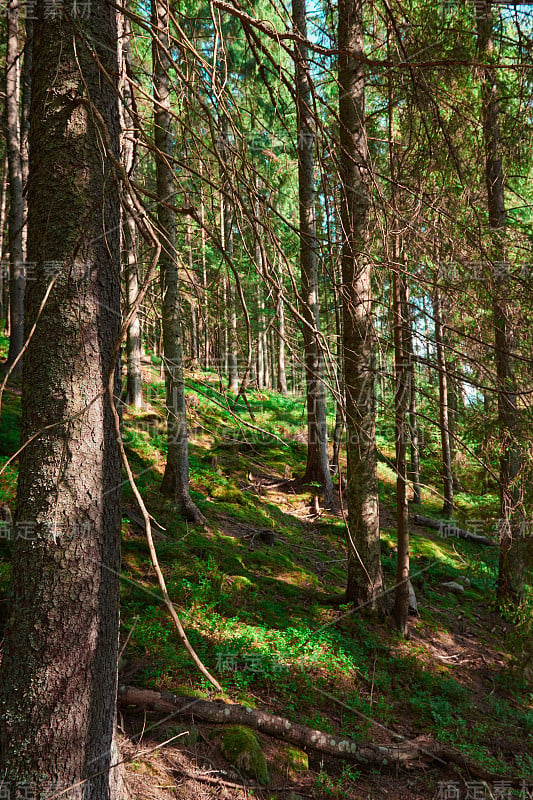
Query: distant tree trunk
(260, 367)
(16, 201)
(194, 293)
(133, 335)
(280, 312)
(317, 469)
(447, 476)
(25, 124)
(414, 472)
(341, 401)
(401, 408)
(58, 676)
(453, 419)
(176, 478)
(205, 295)
(131, 272)
(365, 577)
(514, 547)
(226, 211)
(401, 395)
(3, 197)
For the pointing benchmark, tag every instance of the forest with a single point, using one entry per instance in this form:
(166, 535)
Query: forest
(266, 400)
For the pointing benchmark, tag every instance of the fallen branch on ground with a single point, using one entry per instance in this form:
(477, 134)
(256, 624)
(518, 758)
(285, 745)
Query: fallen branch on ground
(233, 714)
(405, 753)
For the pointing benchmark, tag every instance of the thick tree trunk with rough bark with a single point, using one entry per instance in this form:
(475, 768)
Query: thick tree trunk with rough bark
(515, 550)
(317, 469)
(58, 677)
(16, 200)
(365, 577)
(176, 478)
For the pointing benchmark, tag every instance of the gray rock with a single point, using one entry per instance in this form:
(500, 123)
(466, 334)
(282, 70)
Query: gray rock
(453, 586)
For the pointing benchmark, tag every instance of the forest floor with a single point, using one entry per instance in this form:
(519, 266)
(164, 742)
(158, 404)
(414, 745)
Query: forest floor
(253, 590)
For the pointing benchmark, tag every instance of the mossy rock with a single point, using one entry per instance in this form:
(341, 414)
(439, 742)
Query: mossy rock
(292, 761)
(240, 746)
(228, 494)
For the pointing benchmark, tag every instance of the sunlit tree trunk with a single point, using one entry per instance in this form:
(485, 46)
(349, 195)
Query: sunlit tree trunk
(16, 201)
(444, 425)
(58, 676)
(365, 577)
(414, 467)
(514, 549)
(176, 478)
(280, 313)
(131, 267)
(317, 468)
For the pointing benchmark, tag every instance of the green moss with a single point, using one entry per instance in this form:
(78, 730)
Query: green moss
(240, 746)
(293, 761)
(228, 494)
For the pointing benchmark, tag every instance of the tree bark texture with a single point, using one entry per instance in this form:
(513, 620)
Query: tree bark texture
(365, 577)
(515, 550)
(58, 677)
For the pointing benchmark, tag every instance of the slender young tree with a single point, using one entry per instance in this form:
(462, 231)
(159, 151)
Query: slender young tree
(129, 229)
(58, 676)
(513, 551)
(414, 471)
(317, 469)
(444, 423)
(365, 577)
(176, 478)
(226, 231)
(15, 187)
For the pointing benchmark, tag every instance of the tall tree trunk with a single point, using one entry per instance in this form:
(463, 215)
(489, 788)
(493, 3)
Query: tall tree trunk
(133, 335)
(514, 548)
(365, 577)
(280, 313)
(341, 400)
(261, 355)
(3, 198)
(414, 472)
(131, 272)
(205, 295)
(317, 468)
(25, 101)
(401, 410)
(176, 478)
(58, 676)
(16, 201)
(447, 476)
(226, 225)
(401, 396)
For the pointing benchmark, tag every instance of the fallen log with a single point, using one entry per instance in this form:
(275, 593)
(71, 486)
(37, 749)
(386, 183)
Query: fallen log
(404, 753)
(448, 530)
